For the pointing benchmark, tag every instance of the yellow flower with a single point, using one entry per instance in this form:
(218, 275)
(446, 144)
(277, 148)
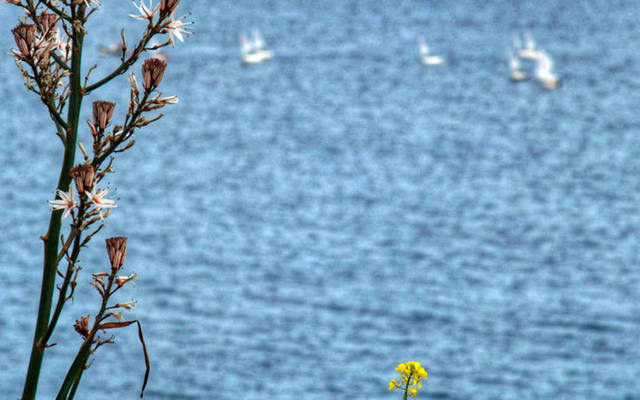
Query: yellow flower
(411, 375)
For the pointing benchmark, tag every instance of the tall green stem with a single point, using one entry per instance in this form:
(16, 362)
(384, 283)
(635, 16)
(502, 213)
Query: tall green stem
(51, 238)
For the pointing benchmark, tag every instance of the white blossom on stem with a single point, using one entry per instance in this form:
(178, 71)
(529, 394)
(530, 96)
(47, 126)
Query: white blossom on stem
(61, 45)
(145, 12)
(167, 100)
(99, 202)
(176, 28)
(66, 202)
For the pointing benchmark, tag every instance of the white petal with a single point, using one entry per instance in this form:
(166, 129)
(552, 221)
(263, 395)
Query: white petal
(58, 204)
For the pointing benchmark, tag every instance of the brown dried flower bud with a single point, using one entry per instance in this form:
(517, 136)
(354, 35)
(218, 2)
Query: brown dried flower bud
(47, 22)
(168, 6)
(102, 113)
(94, 132)
(117, 249)
(83, 177)
(129, 305)
(121, 280)
(25, 36)
(82, 326)
(134, 83)
(152, 72)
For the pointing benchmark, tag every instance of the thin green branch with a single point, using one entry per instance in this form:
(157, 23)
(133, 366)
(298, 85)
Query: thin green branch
(124, 66)
(60, 61)
(55, 115)
(56, 10)
(127, 131)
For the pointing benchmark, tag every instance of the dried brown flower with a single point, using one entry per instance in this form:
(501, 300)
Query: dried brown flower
(82, 326)
(117, 249)
(121, 280)
(48, 22)
(83, 177)
(152, 72)
(168, 6)
(25, 36)
(102, 113)
(134, 84)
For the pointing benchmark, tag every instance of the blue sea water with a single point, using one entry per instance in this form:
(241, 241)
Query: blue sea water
(302, 226)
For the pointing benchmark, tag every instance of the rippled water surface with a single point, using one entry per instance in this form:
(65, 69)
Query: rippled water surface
(300, 227)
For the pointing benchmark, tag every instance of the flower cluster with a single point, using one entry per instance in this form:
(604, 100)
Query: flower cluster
(411, 375)
(48, 47)
(67, 201)
(37, 41)
(168, 23)
(117, 251)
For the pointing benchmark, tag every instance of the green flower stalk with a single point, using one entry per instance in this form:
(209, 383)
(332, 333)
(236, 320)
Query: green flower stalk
(409, 380)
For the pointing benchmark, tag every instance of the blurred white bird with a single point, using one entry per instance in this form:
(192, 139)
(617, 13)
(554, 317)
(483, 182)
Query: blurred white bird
(253, 51)
(529, 50)
(517, 75)
(426, 57)
(544, 72)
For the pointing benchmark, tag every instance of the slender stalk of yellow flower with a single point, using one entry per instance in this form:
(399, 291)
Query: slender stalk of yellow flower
(411, 375)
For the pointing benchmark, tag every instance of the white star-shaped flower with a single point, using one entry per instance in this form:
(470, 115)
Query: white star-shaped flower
(176, 28)
(66, 202)
(99, 202)
(145, 12)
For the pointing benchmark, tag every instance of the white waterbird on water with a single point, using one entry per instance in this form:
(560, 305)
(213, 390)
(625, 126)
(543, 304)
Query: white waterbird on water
(544, 72)
(427, 58)
(517, 75)
(253, 51)
(529, 51)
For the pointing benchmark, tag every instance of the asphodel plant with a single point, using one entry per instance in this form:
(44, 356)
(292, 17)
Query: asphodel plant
(48, 54)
